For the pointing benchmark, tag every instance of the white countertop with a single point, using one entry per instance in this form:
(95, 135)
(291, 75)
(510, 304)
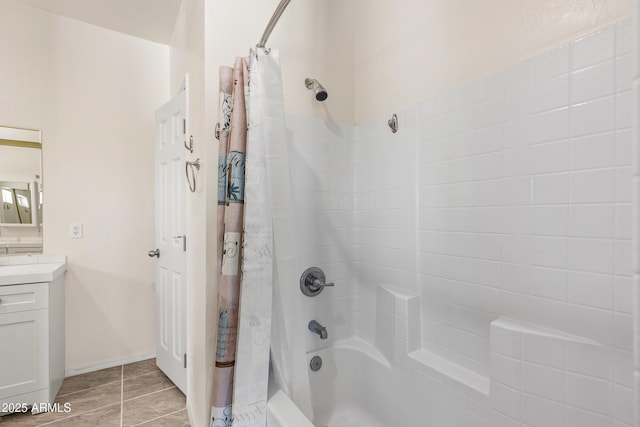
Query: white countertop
(31, 273)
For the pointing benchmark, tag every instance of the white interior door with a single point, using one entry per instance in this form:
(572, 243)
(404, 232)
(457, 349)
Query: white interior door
(170, 210)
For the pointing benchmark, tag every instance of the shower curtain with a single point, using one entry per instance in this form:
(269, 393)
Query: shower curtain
(231, 181)
(266, 249)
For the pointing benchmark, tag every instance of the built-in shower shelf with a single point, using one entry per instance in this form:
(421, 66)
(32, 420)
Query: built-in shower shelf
(445, 371)
(512, 344)
(398, 321)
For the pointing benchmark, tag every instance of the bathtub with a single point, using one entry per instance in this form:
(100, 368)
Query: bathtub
(282, 412)
(357, 387)
(351, 388)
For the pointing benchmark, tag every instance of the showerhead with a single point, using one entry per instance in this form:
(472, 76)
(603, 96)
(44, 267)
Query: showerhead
(321, 93)
(314, 85)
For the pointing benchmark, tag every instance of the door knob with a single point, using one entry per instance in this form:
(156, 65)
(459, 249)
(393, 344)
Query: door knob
(154, 253)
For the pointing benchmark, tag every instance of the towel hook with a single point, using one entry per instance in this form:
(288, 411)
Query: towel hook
(393, 123)
(192, 180)
(189, 146)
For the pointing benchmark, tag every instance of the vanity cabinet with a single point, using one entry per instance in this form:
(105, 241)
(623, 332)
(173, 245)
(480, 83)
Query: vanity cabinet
(32, 340)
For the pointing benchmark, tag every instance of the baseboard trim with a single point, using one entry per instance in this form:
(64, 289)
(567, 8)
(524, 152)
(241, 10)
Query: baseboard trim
(106, 364)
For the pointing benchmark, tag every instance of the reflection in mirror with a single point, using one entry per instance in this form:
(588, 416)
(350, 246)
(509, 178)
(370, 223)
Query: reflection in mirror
(19, 203)
(20, 191)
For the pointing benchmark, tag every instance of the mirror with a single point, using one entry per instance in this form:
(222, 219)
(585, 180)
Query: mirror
(20, 191)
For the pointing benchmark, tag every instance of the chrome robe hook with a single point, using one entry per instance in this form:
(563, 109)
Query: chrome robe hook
(393, 123)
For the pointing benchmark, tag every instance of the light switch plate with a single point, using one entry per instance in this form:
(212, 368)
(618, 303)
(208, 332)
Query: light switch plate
(75, 230)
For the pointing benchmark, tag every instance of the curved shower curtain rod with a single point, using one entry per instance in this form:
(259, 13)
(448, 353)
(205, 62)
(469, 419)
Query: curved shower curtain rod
(272, 22)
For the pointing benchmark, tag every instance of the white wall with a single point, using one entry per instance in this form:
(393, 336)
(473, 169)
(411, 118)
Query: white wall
(188, 57)
(26, 85)
(504, 200)
(20, 164)
(93, 93)
(408, 51)
(636, 210)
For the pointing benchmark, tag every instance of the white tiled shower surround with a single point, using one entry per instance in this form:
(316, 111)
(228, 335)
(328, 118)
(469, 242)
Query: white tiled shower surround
(504, 208)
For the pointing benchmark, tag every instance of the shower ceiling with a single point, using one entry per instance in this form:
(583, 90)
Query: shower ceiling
(147, 19)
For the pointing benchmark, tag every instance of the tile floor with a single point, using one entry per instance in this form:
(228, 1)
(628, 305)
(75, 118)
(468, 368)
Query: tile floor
(137, 394)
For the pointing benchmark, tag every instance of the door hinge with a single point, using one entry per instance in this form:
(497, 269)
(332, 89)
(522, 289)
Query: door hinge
(184, 243)
(185, 360)
(184, 126)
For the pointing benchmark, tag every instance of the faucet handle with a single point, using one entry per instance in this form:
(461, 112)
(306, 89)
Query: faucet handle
(320, 284)
(313, 282)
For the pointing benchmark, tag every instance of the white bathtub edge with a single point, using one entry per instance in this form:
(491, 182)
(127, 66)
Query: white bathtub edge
(282, 412)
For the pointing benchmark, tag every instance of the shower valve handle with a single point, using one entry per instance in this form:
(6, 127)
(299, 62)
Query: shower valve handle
(317, 284)
(313, 282)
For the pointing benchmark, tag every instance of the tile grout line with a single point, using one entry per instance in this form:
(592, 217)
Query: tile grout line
(122, 401)
(93, 409)
(142, 375)
(150, 393)
(87, 389)
(74, 415)
(107, 383)
(157, 418)
(122, 396)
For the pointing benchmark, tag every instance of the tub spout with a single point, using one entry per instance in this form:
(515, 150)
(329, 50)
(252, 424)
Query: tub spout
(317, 328)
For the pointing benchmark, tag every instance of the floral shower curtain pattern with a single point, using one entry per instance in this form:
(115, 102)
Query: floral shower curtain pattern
(231, 177)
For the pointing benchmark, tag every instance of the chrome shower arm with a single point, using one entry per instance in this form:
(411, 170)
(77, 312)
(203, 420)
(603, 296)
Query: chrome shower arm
(272, 22)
